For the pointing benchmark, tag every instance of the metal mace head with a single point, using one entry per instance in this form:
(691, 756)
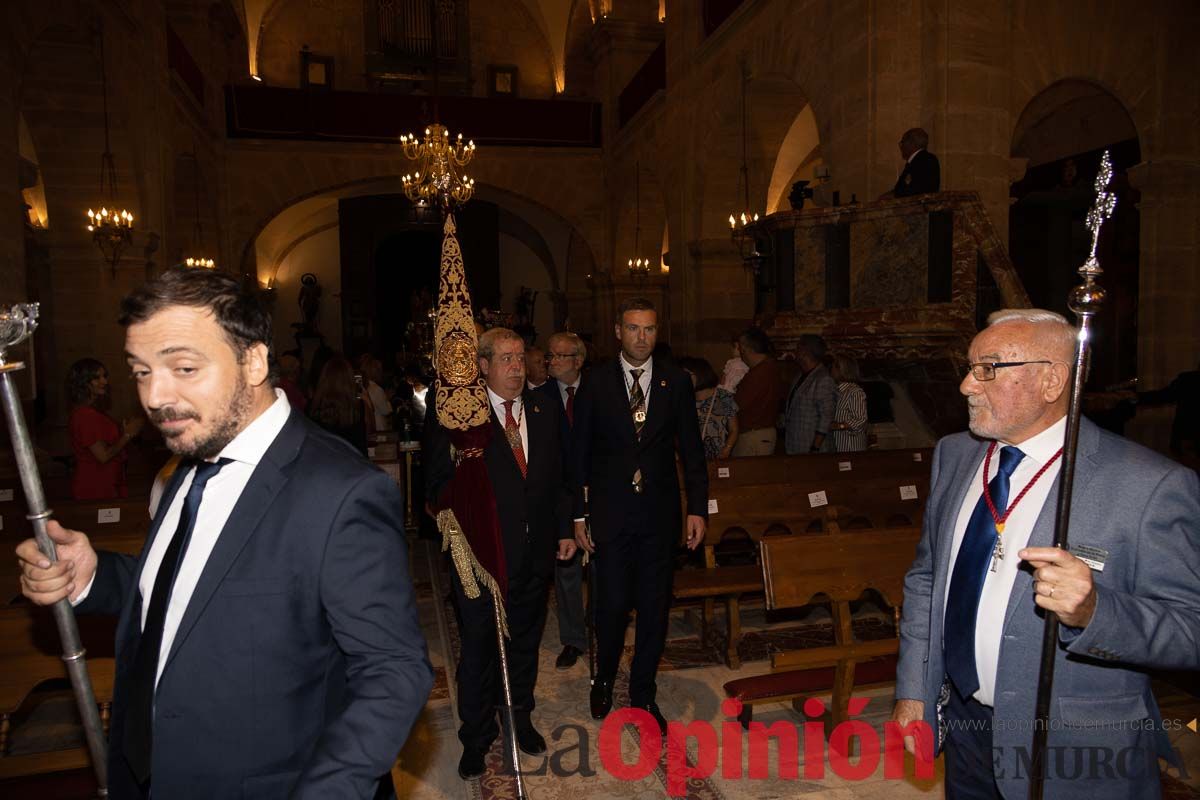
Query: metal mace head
(1086, 299)
(16, 325)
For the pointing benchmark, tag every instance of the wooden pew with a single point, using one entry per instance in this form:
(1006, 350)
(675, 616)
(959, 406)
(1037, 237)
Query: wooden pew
(837, 502)
(840, 566)
(30, 655)
(764, 470)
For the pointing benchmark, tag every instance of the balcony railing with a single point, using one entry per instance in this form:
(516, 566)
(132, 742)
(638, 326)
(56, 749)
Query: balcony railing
(268, 112)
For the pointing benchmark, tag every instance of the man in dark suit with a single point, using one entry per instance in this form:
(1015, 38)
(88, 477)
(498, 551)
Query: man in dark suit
(631, 419)
(985, 574)
(525, 465)
(268, 643)
(567, 352)
(922, 172)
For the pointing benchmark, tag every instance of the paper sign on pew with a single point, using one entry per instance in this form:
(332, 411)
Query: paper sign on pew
(722, 472)
(817, 499)
(845, 466)
(908, 492)
(108, 515)
(712, 506)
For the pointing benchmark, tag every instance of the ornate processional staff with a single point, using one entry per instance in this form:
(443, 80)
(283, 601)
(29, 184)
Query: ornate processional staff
(16, 325)
(467, 517)
(1085, 301)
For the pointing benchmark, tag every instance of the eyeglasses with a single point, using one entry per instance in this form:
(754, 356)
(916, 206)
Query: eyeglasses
(986, 370)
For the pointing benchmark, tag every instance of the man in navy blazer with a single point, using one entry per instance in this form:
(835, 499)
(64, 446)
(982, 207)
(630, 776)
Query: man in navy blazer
(1127, 593)
(268, 643)
(633, 417)
(922, 172)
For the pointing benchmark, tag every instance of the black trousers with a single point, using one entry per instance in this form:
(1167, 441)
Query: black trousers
(480, 691)
(634, 569)
(969, 773)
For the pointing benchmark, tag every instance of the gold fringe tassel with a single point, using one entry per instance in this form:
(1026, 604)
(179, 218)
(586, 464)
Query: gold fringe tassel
(470, 572)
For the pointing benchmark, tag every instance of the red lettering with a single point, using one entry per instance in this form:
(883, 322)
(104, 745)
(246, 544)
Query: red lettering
(789, 750)
(610, 744)
(731, 739)
(678, 769)
(814, 740)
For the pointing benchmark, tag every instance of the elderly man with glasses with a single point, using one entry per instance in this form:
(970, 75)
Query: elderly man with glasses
(1126, 594)
(565, 358)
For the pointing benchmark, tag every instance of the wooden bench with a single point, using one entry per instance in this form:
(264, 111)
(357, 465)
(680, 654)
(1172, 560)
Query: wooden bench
(764, 470)
(31, 655)
(838, 502)
(840, 566)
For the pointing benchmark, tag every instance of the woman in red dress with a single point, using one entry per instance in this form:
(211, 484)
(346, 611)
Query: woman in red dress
(97, 441)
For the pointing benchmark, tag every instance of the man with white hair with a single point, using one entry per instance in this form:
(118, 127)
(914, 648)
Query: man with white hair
(985, 572)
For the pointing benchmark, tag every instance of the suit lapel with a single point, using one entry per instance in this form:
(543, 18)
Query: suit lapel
(948, 519)
(621, 386)
(1043, 530)
(264, 485)
(656, 411)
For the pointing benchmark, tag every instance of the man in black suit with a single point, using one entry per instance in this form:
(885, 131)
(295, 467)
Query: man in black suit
(631, 419)
(567, 352)
(525, 465)
(268, 643)
(922, 172)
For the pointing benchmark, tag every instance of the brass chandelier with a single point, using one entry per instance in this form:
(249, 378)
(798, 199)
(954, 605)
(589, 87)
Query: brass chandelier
(638, 267)
(196, 260)
(439, 179)
(742, 223)
(111, 227)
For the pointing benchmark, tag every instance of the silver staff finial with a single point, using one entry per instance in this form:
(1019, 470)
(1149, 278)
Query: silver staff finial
(16, 325)
(1101, 210)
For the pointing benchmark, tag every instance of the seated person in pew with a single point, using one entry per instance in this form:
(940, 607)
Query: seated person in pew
(268, 642)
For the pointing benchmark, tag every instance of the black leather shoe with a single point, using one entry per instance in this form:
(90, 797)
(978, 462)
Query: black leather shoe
(601, 699)
(653, 710)
(567, 658)
(530, 741)
(471, 765)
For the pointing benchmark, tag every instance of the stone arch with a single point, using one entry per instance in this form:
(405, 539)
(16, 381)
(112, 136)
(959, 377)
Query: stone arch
(311, 222)
(799, 154)
(775, 100)
(1070, 116)
(1059, 136)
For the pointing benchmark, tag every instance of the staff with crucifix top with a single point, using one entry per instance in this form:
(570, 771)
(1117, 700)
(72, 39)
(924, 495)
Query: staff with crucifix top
(631, 419)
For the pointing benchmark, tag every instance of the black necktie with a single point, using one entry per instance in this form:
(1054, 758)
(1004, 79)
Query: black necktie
(139, 718)
(966, 582)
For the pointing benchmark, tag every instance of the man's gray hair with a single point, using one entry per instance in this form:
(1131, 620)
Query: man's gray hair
(1059, 333)
(572, 339)
(492, 336)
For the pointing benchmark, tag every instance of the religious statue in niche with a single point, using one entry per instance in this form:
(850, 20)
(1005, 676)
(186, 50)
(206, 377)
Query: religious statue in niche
(310, 304)
(524, 307)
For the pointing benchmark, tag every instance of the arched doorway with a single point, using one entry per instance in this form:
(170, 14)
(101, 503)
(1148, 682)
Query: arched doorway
(1062, 132)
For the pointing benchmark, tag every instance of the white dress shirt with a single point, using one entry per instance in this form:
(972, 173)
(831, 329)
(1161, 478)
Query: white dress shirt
(648, 372)
(517, 406)
(220, 496)
(998, 585)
